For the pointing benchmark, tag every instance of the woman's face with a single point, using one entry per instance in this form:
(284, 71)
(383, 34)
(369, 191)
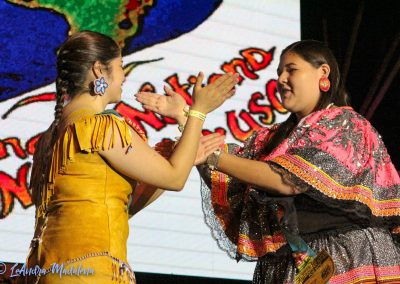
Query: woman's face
(298, 83)
(115, 80)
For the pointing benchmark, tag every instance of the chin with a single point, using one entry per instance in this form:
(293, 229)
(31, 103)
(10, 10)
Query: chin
(287, 105)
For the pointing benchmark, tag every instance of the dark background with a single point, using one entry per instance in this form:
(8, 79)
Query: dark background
(365, 38)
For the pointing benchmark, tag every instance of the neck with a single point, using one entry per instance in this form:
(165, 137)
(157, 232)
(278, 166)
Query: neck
(86, 100)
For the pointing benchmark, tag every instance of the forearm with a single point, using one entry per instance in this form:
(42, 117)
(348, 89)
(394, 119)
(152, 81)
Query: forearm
(185, 152)
(256, 173)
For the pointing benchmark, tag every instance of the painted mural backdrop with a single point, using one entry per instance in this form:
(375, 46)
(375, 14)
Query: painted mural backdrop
(164, 42)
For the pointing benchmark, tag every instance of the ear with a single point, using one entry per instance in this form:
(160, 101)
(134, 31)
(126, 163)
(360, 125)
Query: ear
(325, 70)
(97, 69)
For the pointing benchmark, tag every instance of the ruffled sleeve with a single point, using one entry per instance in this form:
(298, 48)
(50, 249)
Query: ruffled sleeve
(242, 219)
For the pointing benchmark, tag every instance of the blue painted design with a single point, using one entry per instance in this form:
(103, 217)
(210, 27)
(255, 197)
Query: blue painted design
(29, 39)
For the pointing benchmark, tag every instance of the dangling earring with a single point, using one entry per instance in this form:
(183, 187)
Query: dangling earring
(100, 86)
(324, 84)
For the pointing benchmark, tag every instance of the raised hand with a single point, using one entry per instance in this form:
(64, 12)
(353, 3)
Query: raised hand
(210, 97)
(170, 105)
(208, 144)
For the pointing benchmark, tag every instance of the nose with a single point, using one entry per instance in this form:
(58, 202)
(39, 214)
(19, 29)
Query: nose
(282, 78)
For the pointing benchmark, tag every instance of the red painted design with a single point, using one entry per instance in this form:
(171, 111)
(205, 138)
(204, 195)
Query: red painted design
(138, 116)
(11, 188)
(250, 61)
(233, 125)
(16, 146)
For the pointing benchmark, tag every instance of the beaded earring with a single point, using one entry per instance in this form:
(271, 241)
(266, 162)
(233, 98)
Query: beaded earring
(100, 86)
(324, 84)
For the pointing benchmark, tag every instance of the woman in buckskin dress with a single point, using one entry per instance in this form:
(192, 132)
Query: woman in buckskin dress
(87, 163)
(313, 199)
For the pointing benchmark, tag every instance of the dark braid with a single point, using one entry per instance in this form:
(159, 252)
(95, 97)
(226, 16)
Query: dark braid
(316, 53)
(75, 59)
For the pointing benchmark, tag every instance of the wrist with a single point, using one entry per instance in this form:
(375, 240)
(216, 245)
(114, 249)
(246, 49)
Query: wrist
(198, 108)
(194, 113)
(181, 120)
(183, 115)
(213, 159)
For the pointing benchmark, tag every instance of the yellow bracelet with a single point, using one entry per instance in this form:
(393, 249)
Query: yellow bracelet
(197, 114)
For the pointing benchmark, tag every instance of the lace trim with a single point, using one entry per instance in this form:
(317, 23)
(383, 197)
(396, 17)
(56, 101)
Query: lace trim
(288, 178)
(214, 224)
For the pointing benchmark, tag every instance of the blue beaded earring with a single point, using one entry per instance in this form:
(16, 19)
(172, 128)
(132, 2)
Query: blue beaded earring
(100, 86)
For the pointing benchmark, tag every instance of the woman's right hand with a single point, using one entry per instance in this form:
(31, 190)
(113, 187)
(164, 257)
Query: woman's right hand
(210, 97)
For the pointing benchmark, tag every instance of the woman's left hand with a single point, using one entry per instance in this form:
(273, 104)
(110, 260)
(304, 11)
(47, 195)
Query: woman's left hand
(170, 105)
(208, 144)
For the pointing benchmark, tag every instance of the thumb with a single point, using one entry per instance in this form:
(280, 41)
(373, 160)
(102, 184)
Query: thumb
(199, 81)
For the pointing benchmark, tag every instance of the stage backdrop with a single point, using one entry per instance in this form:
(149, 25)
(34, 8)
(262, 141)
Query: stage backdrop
(165, 42)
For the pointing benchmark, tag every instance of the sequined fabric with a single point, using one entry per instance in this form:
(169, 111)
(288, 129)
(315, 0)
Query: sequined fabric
(348, 201)
(361, 256)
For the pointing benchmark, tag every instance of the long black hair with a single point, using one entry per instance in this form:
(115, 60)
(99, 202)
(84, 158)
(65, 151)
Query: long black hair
(76, 57)
(316, 53)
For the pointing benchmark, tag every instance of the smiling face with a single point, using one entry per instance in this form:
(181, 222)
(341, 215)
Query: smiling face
(298, 83)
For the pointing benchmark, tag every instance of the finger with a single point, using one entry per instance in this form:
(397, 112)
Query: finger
(221, 99)
(199, 82)
(208, 151)
(148, 98)
(151, 108)
(211, 138)
(147, 95)
(229, 94)
(169, 91)
(215, 144)
(226, 96)
(222, 79)
(228, 84)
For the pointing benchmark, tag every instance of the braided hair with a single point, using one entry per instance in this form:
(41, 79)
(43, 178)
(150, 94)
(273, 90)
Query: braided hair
(75, 59)
(316, 53)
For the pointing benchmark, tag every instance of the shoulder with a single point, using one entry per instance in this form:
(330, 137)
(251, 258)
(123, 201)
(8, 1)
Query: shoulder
(345, 123)
(98, 131)
(110, 112)
(259, 137)
(115, 115)
(337, 118)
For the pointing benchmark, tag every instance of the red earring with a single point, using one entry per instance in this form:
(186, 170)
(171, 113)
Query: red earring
(324, 84)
